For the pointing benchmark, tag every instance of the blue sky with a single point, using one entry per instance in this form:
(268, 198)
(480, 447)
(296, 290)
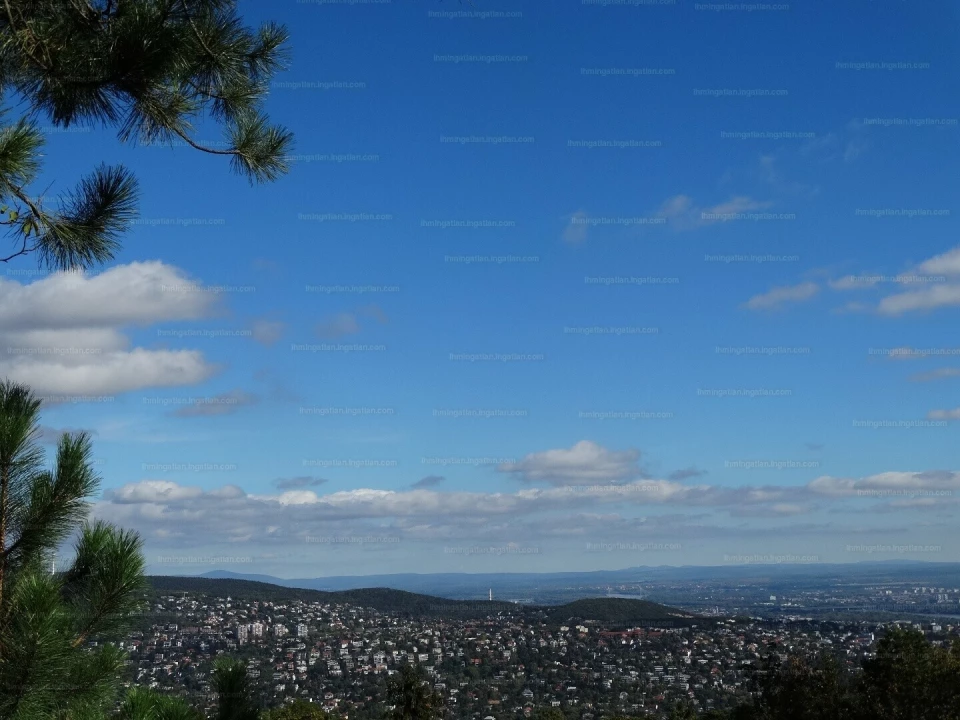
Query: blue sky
(672, 143)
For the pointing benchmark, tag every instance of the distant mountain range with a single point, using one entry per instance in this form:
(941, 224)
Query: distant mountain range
(568, 585)
(610, 611)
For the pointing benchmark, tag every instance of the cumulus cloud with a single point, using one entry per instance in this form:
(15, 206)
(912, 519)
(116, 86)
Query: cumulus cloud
(151, 492)
(108, 374)
(157, 506)
(62, 334)
(167, 512)
(139, 293)
(584, 462)
(780, 296)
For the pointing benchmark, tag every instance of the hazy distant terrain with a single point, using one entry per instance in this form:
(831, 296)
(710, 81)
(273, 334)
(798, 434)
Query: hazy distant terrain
(562, 587)
(613, 611)
(882, 590)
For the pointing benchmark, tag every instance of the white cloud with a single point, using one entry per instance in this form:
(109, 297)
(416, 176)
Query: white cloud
(170, 513)
(887, 484)
(778, 296)
(934, 283)
(298, 497)
(62, 334)
(108, 374)
(152, 491)
(947, 263)
(584, 462)
(938, 279)
(155, 507)
(928, 298)
(139, 293)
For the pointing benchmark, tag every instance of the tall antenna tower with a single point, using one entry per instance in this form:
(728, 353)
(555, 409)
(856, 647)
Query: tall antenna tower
(491, 593)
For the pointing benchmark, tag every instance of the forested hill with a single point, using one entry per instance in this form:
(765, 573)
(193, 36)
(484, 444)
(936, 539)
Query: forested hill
(619, 611)
(615, 611)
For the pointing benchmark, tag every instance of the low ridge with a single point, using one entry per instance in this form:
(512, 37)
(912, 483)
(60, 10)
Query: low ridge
(602, 609)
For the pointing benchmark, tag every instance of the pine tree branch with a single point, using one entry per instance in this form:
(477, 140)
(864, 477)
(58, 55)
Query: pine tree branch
(22, 251)
(148, 67)
(196, 31)
(25, 199)
(196, 146)
(26, 29)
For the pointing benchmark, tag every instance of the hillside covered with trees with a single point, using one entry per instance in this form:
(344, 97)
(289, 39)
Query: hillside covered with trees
(615, 611)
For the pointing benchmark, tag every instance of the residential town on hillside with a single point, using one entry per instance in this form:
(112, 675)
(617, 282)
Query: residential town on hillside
(503, 666)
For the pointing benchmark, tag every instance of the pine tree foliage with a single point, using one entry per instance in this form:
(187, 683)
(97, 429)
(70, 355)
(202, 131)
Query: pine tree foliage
(234, 694)
(151, 69)
(299, 709)
(143, 704)
(909, 678)
(411, 697)
(54, 662)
